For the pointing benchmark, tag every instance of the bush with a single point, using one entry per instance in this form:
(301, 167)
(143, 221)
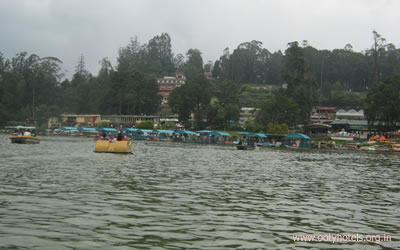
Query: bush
(103, 125)
(169, 125)
(146, 125)
(277, 129)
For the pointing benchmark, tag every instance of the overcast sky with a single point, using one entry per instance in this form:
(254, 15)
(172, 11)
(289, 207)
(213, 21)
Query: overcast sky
(98, 28)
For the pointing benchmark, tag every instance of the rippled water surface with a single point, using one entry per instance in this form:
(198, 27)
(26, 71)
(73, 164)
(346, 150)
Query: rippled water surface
(59, 194)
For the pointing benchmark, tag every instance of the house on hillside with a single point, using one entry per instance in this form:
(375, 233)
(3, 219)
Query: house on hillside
(168, 83)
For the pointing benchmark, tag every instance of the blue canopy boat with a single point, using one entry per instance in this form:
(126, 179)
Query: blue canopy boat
(249, 144)
(297, 141)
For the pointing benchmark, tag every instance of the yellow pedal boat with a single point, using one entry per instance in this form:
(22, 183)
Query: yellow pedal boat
(120, 147)
(25, 139)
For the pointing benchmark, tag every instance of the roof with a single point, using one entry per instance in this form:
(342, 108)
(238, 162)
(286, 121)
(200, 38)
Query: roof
(254, 135)
(108, 129)
(351, 123)
(88, 129)
(327, 108)
(220, 133)
(21, 127)
(131, 129)
(145, 130)
(184, 132)
(204, 131)
(166, 131)
(297, 136)
(319, 125)
(350, 112)
(68, 128)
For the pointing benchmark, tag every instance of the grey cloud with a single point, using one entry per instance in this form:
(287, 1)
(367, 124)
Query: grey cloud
(98, 28)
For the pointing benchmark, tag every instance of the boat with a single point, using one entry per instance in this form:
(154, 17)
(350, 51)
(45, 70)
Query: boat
(25, 139)
(245, 147)
(296, 141)
(119, 147)
(19, 135)
(349, 146)
(265, 144)
(342, 138)
(250, 140)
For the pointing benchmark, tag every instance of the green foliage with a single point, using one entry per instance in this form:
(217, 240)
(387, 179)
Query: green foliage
(278, 129)
(253, 126)
(383, 103)
(224, 109)
(338, 97)
(249, 63)
(168, 125)
(44, 112)
(249, 97)
(146, 125)
(139, 94)
(192, 98)
(278, 109)
(26, 82)
(33, 88)
(301, 87)
(103, 125)
(194, 64)
(154, 58)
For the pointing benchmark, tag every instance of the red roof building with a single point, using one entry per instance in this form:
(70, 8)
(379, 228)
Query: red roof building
(169, 83)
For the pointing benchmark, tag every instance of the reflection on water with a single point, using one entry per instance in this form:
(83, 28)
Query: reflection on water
(60, 194)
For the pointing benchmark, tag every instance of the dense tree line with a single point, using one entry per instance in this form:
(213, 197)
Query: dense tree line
(33, 88)
(357, 71)
(383, 104)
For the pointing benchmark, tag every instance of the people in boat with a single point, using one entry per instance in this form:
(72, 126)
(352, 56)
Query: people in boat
(15, 132)
(119, 136)
(27, 133)
(33, 133)
(104, 137)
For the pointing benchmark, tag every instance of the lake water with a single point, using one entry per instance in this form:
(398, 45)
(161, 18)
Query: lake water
(59, 194)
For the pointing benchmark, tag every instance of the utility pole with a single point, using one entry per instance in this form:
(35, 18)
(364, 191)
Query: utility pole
(33, 101)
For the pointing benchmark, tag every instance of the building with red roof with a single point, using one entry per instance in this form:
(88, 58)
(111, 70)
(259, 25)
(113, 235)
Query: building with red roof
(168, 83)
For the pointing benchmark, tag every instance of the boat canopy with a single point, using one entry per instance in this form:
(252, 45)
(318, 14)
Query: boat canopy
(68, 128)
(206, 132)
(88, 129)
(220, 133)
(164, 131)
(131, 129)
(297, 136)
(21, 127)
(108, 129)
(259, 135)
(145, 131)
(187, 132)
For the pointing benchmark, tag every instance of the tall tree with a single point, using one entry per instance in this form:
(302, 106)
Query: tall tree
(160, 57)
(278, 110)
(301, 86)
(377, 47)
(192, 98)
(194, 64)
(383, 103)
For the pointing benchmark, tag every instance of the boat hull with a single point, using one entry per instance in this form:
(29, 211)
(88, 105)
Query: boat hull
(25, 139)
(342, 138)
(245, 147)
(118, 147)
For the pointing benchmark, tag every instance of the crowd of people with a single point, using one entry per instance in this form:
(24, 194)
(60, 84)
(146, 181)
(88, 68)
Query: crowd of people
(119, 137)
